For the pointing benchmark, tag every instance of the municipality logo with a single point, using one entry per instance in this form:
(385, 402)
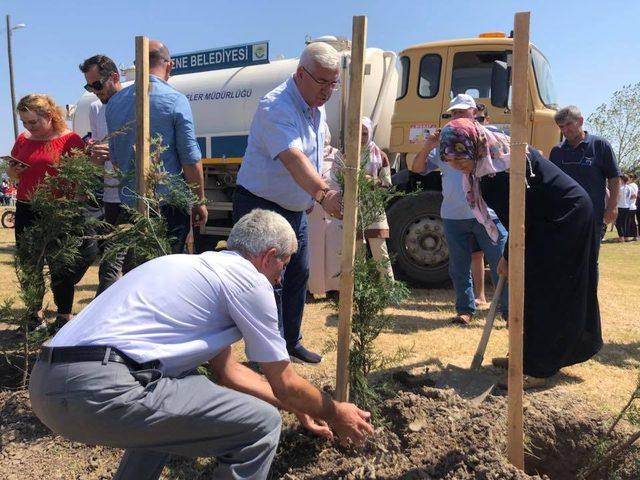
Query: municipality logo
(259, 51)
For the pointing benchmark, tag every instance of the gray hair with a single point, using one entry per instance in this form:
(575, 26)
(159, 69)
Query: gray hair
(261, 230)
(570, 112)
(320, 53)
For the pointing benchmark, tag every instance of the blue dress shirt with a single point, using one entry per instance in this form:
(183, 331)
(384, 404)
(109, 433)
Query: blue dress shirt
(282, 121)
(170, 116)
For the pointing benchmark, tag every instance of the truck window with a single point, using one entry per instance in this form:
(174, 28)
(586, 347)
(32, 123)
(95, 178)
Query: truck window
(404, 77)
(544, 79)
(472, 73)
(429, 83)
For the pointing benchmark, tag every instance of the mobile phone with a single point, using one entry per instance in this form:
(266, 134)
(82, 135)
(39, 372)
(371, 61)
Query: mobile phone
(14, 161)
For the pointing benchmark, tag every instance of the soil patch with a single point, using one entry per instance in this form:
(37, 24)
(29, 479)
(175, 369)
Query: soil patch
(429, 433)
(435, 434)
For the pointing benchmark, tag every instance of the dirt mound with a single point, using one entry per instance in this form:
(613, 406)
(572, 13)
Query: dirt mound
(435, 434)
(429, 434)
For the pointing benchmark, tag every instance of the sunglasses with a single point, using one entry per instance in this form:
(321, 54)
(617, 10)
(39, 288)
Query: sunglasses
(95, 86)
(480, 119)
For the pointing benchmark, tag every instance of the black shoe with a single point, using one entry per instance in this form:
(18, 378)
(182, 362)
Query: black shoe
(299, 354)
(57, 325)
(35, 324)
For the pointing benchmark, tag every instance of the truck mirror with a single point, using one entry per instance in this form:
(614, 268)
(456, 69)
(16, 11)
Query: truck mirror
(500, 73)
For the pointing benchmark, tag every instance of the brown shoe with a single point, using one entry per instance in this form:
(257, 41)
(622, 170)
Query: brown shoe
(462, 319)
(500, 362)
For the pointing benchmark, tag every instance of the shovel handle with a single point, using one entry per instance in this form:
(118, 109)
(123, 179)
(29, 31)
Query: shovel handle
(488, 326)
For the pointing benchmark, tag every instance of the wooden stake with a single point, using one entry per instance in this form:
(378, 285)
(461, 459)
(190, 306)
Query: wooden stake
(517, 186)
(352, 160)
(143, 134)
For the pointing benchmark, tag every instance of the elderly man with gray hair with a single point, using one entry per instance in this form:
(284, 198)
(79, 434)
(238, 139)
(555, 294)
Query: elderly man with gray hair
(281, 172)
(122, 374)
(590, 161)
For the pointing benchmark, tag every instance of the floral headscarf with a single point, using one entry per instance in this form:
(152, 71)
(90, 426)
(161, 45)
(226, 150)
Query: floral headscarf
(491, 152)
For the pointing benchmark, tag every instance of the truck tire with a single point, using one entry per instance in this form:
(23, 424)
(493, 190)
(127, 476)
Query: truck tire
(417, 242)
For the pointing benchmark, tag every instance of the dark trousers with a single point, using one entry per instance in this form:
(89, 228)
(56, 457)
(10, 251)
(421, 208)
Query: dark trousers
(622, 222)
(177, 228)
(632, 228)
(62, 282)
(291, 295)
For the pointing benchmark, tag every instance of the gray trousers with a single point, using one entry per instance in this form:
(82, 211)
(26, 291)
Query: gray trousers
(152, 416)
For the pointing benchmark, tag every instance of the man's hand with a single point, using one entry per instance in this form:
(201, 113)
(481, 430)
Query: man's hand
(317, 427)
(199, 215)
(99, 152)
(332, 203)
(503, 267)
(350, 423)
(610, 214)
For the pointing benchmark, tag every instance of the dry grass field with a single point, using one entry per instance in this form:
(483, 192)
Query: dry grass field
(29, 450)
(422, 324)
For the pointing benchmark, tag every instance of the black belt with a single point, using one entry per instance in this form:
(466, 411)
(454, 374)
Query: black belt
(92, 353)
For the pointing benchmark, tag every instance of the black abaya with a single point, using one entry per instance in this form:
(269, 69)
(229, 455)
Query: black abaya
(561, 313)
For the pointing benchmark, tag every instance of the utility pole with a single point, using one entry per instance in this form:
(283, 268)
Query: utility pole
(13, 93)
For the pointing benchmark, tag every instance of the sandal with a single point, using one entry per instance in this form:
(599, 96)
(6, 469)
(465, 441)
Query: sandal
(462, 319)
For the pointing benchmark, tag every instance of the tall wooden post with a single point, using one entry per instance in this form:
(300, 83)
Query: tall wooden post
(352, 160)
(143, 134)
(517, 186)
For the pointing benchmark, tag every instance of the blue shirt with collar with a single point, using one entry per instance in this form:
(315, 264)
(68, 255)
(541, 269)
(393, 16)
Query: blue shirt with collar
(590, 164)
(170, 116)
(282, 121)
(454, 202)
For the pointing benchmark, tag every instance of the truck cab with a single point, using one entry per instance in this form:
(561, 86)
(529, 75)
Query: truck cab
(431, 74)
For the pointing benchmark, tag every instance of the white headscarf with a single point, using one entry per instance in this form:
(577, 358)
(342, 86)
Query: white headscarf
(370, 155)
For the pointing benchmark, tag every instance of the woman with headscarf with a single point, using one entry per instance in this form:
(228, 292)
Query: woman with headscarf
(377, 169)
(561, 313)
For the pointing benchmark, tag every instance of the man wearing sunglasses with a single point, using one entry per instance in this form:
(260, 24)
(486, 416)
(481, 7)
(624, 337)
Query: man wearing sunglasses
(280, 172)
(103, 80)
(171, 117)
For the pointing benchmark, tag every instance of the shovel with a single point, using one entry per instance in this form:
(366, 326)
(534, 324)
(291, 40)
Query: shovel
(488, 326)
(472, 383)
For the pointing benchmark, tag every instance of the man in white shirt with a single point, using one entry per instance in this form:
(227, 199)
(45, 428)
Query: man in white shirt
(122, 373)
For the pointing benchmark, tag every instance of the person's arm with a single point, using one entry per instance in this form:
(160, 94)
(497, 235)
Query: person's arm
(255, 314)
(99, 153)
(611, 210)
(195, 177)
(190, 156)
(302, 171)
(612, 172)
(420, 161)
(298, 395)
(236, 376)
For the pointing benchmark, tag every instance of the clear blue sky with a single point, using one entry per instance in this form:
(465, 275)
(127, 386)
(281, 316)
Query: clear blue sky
(592, 45)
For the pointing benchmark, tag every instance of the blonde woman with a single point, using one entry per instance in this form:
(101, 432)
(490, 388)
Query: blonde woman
(38, 150)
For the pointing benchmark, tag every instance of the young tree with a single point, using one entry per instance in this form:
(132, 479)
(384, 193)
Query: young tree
(619, 122)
